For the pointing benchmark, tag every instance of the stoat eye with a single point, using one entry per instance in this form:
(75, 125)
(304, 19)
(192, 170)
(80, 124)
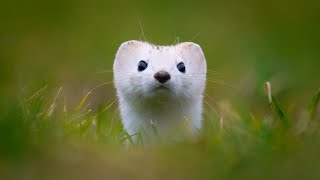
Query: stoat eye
(181, 67)
(142, 65)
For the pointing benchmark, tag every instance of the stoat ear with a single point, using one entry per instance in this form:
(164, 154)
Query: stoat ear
(127, 48)
(125, 53)
(192, 51)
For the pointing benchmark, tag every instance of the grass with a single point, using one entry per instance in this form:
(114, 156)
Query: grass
(42, 139)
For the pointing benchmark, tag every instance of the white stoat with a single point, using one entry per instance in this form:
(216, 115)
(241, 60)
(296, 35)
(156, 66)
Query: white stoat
(159, 86)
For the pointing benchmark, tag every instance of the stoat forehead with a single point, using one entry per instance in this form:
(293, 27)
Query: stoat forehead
(131, 52)
(163, 58)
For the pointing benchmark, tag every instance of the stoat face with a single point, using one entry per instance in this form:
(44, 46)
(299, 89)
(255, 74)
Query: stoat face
(145, 70)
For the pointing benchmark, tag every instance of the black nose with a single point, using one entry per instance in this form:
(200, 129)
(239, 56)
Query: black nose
(162, 76)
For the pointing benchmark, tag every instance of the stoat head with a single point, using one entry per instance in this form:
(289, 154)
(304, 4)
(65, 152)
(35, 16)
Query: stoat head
(147, 70)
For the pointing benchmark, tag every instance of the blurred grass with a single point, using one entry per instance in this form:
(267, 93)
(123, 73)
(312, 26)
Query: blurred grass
(36, 144)
(48, 132)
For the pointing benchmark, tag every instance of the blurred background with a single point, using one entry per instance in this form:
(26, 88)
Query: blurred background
(65, 43)
(72, 44)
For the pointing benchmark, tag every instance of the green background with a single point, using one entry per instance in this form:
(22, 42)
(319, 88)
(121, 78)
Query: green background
(66, 43)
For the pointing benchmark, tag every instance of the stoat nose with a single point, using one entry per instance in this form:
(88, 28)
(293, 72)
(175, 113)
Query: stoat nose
(162, 76)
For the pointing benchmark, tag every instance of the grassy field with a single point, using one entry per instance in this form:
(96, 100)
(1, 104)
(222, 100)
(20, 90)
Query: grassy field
(58, 111)
(37, 144)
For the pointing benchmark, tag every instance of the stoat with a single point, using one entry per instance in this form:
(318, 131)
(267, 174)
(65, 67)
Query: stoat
(159, 86)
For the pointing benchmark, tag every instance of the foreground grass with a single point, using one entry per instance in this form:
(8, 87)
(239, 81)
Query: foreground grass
(41, 139)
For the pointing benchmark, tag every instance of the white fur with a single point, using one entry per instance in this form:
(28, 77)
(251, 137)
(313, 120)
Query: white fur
(142, 102)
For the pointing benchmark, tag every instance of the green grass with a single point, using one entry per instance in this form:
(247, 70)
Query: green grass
(39, 140)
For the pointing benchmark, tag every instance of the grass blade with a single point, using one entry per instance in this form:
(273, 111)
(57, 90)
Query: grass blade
(313, 104)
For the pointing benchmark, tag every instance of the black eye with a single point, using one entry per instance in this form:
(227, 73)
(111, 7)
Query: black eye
(181, 67)
(142, 66)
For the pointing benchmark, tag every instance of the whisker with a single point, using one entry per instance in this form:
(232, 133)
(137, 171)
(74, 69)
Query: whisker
(176, 39)
(213, 71)
(210, 80)
(195, 36)
(104, 71)
(188, 95)
(142, 31)
(211, 107)
(210, 98)
(221, 82)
